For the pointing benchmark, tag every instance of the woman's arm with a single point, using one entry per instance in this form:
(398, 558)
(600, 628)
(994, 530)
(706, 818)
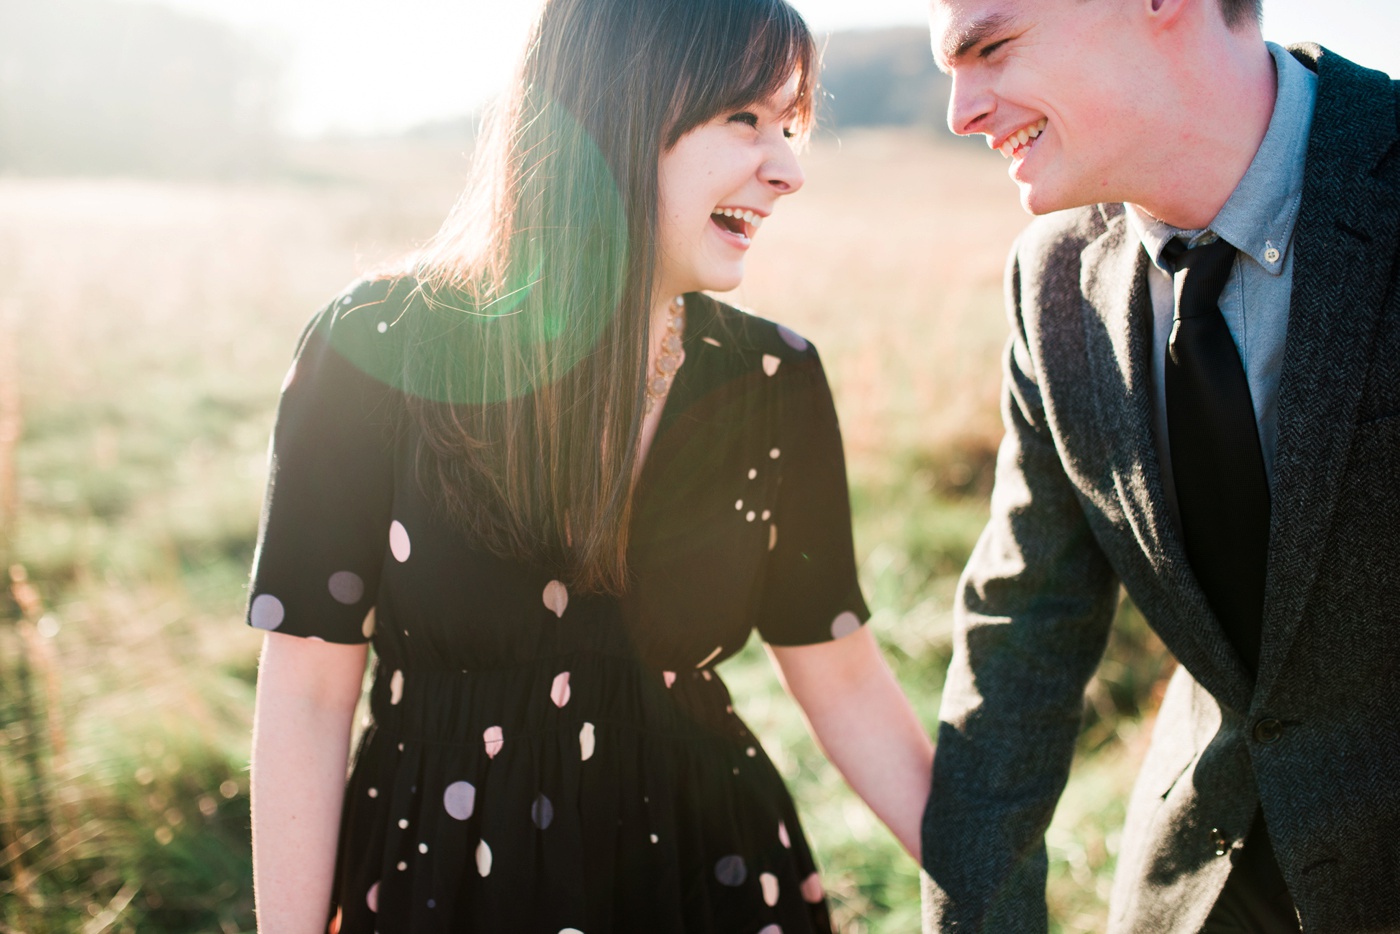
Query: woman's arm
(307, 691)
(864, 724)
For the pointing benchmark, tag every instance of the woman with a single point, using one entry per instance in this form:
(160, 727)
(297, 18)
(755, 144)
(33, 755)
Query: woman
(554, 485)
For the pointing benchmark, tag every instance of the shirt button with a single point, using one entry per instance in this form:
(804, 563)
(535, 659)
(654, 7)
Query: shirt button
(1268, 731)
(1222, 845)
(1272, 254)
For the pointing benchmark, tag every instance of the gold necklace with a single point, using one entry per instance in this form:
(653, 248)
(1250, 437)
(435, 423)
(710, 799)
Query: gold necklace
(668, 361)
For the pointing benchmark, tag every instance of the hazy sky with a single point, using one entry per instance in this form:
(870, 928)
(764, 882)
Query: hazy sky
(367, 65)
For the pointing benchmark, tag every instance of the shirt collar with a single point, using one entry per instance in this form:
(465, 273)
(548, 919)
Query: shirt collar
(1258, 218)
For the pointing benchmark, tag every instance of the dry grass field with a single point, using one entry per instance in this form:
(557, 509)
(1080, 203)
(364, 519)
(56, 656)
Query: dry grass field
(144, 329)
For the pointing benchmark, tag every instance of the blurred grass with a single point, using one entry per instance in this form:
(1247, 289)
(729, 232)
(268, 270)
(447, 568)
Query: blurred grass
(151, 323)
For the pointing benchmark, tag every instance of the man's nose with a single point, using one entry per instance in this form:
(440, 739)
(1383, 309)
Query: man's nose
(970, 103)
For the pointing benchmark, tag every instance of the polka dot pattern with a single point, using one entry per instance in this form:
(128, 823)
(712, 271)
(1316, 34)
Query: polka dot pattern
(399, 545)
(556, 598)
(812, 889)
(542, 812)
(731, 871)
(459, 800)
(333, 591)
(792, 338)
(586, 742)
(346, 587)
(266, 612)
(559, 690)
(844, 624)
(483, 859)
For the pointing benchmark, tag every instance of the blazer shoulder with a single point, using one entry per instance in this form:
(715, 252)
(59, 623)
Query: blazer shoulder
(1049, 256)
(1052, 239)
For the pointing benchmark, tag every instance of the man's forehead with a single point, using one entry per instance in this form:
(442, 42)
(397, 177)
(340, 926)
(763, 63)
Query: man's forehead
(957, 26)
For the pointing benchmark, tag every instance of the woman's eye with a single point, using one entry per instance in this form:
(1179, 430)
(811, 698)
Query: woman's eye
(745, 117)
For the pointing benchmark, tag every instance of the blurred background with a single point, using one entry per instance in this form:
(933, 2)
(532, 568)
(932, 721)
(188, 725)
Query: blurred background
(183, 183)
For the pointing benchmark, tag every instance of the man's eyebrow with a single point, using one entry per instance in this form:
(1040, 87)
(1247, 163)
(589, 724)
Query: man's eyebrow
(957, 44)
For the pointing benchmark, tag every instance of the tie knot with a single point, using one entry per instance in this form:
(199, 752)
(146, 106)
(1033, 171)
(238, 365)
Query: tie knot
(1199, 273)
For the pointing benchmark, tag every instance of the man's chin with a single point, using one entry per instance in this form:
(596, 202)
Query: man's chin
(1038, 199)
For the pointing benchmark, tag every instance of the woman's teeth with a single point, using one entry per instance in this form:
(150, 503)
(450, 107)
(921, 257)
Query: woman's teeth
(748, 217)
(1017, 140)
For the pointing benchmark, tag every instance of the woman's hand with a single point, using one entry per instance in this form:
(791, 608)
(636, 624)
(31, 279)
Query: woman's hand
(863, 722)
(307, 692)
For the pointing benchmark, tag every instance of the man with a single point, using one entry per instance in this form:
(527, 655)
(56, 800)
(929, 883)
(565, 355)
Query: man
(1202, 402)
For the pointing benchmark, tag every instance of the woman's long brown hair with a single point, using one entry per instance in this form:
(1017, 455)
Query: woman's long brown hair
(527, 365)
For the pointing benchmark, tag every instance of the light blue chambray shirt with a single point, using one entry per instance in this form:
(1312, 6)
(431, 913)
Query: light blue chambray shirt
(1258, 221)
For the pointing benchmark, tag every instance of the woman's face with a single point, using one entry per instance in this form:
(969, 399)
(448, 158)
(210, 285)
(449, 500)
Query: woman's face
(717, 185)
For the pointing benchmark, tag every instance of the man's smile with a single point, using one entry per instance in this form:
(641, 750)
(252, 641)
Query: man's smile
(1012, 145)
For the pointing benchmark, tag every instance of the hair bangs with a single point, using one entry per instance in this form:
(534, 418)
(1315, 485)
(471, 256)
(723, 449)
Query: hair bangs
(746, 51)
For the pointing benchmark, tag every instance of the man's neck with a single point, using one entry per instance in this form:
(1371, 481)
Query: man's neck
(1224, 106)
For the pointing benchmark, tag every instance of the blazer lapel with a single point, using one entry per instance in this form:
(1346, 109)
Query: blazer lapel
(1346, 245)
(1117, 315)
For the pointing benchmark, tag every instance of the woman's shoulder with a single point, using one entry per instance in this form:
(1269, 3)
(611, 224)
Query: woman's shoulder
(365, 325)
(364, 312)
(772, 345)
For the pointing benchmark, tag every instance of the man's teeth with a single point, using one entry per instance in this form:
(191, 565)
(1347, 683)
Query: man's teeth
(748, 217)
(1017, 140)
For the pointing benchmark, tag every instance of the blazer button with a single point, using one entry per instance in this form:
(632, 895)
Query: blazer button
(1222, 845)
(1268, 730)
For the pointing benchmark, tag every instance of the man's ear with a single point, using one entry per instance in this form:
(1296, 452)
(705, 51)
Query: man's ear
(1166, 12)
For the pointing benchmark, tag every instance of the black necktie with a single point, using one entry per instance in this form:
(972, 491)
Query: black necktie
(1217, 463)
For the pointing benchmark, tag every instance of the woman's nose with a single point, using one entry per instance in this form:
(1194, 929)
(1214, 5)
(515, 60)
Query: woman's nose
(782, 172)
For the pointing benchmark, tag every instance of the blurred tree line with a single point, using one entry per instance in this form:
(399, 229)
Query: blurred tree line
(883, 77)
(98, 87)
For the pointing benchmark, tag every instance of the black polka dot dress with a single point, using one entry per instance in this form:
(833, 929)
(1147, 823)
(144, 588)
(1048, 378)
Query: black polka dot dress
(541, 761)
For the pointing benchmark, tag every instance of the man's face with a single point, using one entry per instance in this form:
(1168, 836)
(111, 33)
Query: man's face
(1054, 85)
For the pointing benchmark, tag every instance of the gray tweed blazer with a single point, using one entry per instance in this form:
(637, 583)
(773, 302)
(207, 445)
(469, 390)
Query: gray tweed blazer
(1078, 508)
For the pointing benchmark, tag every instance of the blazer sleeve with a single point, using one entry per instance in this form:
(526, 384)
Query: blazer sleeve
(1031, 621)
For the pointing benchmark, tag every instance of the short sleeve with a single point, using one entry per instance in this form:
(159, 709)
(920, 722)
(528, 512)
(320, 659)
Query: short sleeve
(326, 516)
(810, 593)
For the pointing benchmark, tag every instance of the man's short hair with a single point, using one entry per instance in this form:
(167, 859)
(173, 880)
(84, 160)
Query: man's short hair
(1236, 11)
